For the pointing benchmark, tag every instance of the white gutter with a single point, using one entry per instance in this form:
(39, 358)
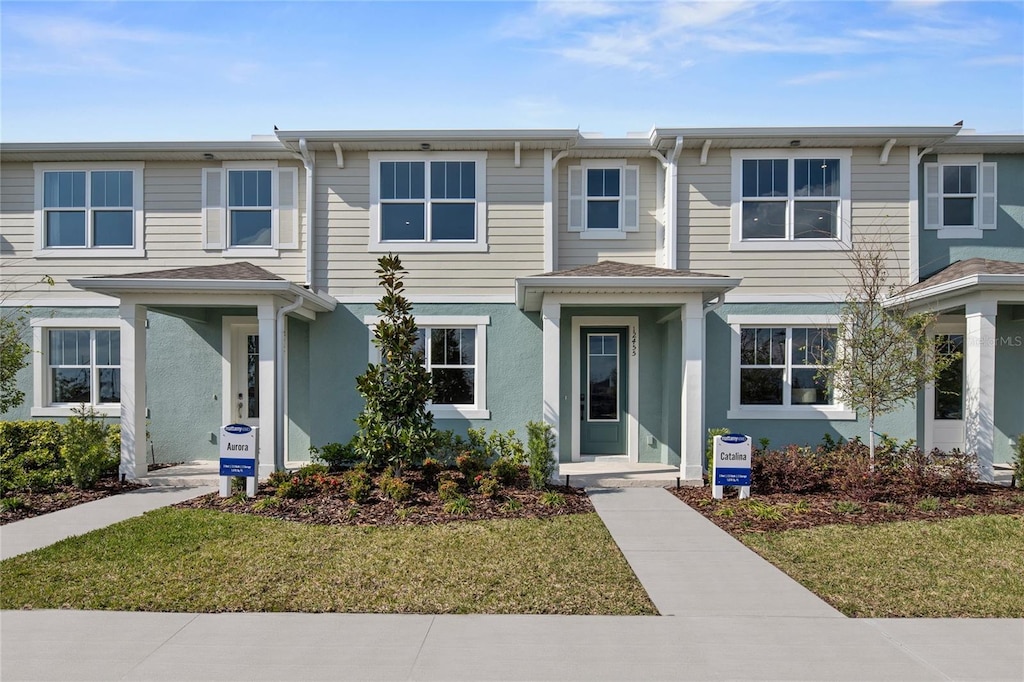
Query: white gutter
(309, 161)
(280, 394)
(671, 197)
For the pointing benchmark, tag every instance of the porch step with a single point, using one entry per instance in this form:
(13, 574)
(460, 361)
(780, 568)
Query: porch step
(199, 474)
(616, 471)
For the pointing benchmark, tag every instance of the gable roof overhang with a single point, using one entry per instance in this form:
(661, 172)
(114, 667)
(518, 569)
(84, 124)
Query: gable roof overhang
(952, 286)
(610, 277)
(229, 285)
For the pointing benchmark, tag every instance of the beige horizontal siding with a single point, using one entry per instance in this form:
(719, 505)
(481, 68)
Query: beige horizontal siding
(172, 205)
(515, 233)
(879, 218)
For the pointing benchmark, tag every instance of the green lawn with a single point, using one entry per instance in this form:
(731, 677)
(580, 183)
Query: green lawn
(966, 567)
(209, 561)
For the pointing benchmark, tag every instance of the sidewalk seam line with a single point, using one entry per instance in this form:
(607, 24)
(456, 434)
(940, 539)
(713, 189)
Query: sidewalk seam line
(159, 646)
(423, 642)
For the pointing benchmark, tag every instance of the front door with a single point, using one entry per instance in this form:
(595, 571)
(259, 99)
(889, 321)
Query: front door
(604, 370)
(946, 415)
(245, 375)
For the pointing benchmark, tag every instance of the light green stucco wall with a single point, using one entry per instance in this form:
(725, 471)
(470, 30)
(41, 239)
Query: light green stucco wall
(1009, 408)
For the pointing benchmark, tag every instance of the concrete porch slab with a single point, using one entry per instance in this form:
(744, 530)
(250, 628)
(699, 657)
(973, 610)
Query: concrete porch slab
(616, 471)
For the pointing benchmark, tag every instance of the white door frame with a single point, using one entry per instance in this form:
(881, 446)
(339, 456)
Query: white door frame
(232, 326)
(938, 329)
(632, 323)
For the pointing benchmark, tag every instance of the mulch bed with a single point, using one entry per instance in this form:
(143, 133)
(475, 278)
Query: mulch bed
(817, 509)
(37, 504)
(423, 508)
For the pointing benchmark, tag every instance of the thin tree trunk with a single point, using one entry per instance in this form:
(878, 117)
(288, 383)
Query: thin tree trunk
(871, 441)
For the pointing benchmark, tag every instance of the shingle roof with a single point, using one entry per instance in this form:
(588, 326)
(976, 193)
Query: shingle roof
(229, 271)
(967, 268)
(610, 268)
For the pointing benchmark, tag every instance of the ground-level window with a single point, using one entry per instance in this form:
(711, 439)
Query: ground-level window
(84, 366)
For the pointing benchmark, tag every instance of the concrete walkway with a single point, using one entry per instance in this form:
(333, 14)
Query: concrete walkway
(732, 616)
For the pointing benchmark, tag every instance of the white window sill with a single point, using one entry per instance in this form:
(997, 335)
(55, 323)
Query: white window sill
(790, 245)
(250, 252)
(602, 234)
(453, 412)
(427, 247)
(70, 410)
(959, 233)
(792, 412)
(85, 252)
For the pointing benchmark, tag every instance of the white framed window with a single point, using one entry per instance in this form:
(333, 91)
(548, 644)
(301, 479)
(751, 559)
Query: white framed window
(250, 208)
(91, 210)
(786, 200)
(777, 365)
(960, 196)
(76, 362)
(454, 350)
(430, 201)
(604, 199)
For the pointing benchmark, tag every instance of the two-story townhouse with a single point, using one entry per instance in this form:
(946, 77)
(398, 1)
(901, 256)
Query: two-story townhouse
(630, 291)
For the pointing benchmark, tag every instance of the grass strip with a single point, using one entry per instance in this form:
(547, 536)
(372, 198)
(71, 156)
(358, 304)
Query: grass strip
(968, 567)
(192, 560)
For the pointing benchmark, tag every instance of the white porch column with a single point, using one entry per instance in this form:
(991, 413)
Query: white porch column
(268, 380)
(133, 389)
(980, 384)
(691, 457)
(551, 320)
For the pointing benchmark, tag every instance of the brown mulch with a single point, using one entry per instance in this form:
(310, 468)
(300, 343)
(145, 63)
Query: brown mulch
(423, 508)
(37, 504)
(807, 510)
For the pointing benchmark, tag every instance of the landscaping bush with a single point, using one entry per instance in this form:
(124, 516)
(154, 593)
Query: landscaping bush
(540, 448)
(470, 463)
(337, 456)
(489, 486)
(358, 484)
(431, 469)
(709, 451)
(505, 470)
(394, 488)
(85, 450)
(447, 446)
(448, 487)
(30, 456)
(1018, 461)
(793, 470)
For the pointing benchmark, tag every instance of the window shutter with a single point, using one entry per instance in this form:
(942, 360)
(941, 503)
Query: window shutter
(288, 208)
(213, 208)
(932, 197)
(631, 199)
(575, 198)
(987, 194)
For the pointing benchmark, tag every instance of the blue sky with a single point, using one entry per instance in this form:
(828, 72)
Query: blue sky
(222, 71)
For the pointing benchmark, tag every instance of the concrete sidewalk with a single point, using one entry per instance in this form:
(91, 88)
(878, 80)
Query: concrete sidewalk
(729, 615)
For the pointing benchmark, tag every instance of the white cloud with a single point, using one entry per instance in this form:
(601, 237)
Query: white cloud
(999, 60)
(821, 77)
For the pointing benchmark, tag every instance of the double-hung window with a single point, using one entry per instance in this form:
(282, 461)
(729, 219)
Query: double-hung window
(604, 199)
(89, 210)
(780, 370)
(790, 201)
(431, 201)
(454, 349)
(76, 362)
(250, 208)
(960, 196)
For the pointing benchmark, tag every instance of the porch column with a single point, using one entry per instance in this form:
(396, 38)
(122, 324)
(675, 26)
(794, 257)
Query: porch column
(551, 320)
(980, 384)
(692, 455)
(268, 379)
(133, 389)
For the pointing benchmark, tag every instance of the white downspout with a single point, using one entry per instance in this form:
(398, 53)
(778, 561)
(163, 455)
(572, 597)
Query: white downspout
(309, 161)
(279, 387)
(671, 193)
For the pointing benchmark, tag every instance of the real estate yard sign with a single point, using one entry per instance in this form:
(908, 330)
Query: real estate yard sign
(732, 464)
(239, 456)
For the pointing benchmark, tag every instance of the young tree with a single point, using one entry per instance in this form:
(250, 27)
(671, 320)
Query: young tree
(395, 427)
(884, 354)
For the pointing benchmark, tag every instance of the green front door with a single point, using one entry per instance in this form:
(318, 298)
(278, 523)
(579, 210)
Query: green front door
(603, 371)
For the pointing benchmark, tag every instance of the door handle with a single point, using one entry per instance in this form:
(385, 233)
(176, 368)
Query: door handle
(583, 405)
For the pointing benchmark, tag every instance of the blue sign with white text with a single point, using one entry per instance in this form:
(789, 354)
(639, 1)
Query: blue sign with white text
(231, 466)
(726, 476)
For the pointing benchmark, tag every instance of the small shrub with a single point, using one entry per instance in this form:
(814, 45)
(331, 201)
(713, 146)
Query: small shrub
(894, 508)
(395, 489)
(709, 450)
(540, 448)
(552, 499)
(764, 443)
(505, 470)
(448, 489)
(12, 504)
(403, 513)
(84, 449)
(431, 470)
(847, 507)
(928, 504)
(458, 506)
(802, 507)
(793, 470)
(489, 486)
(267, 503)
(447, 446)
(337, 456)
(511, 505)
(1018, 461)
(765, 512)
(358, 484)
(470, 463)
(725, 512)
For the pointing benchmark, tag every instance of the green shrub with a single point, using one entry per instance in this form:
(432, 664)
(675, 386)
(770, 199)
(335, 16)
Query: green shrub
(470, 463)
(709, 451)
(552, 499)
(12, 504)
(336, 456)
(358, 484)
(763, 511)
(458, 506)
(511, 505)
(431, 469)
(540, 448)
(489, 486)
(448, 489)
(1018, 461)
(928, 504)
(447, 446)
(496, 445)
(847, 507)
(85, 449)
(266, 503)
(394, 488)
(505, 470)
(30, 456)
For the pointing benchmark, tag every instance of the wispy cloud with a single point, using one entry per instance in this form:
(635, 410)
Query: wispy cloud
(999, 60)
(822, 77)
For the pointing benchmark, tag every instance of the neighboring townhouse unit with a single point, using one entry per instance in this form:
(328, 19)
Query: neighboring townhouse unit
(633, 292)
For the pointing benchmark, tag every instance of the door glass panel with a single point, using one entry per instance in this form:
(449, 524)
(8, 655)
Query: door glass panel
(949, 386)
(603, 377)
(253, 374)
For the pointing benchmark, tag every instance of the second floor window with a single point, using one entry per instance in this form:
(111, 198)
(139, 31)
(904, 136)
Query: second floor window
(960, 196)
(604, 198)
(250, 207)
